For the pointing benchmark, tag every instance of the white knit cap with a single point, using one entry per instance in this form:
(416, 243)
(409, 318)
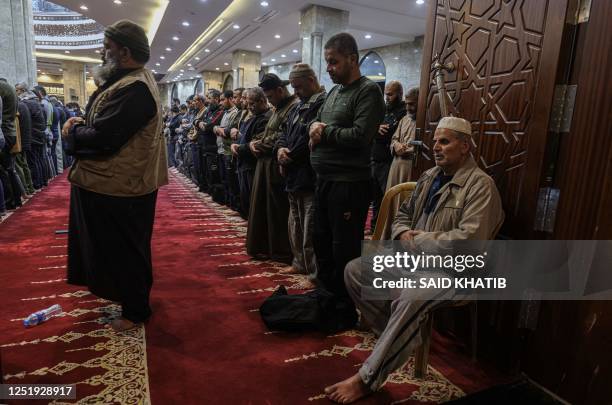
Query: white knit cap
(456, 124)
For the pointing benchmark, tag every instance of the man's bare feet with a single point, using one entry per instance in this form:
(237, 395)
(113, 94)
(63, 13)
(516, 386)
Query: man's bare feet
(306, 284)
(348, 391)
(288, 270)
(121, 324)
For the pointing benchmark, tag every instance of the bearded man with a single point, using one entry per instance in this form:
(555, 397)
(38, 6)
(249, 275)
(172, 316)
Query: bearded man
(121, 162)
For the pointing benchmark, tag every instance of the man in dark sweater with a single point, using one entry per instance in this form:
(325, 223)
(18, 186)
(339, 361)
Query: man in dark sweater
(340, 141)
(381, 153)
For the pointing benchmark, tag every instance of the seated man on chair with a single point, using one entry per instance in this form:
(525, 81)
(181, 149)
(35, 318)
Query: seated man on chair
(455, 200)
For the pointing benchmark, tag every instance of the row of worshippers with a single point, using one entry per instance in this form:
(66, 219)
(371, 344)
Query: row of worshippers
(262, 161)
(31, 153)
(309, 163)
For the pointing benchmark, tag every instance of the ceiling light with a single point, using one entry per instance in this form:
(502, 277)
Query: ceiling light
(216, 68)
(264, 4)
(181, 70)
(117, 1)
(61, 70)
(226, 64)
(86, 73)
(277, 36)
(264, 63)
(189, 64)
(236, 27)
(368, 36)
(420, 1)
(66, 51)
(175, 38)
(283, 56)
(376, 61)
(158, 64)
(396, 58)
(295, 51)
(219, 40)
(197, 58)
(83, 7)
(273, 60)
(206, 50)
(38, 70)
(258, 46)
(97, 51)
(162, 57)
(380, 74)
(185, 23)
(168, 49)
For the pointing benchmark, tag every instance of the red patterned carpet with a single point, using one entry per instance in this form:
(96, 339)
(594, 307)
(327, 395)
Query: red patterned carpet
(205, 343)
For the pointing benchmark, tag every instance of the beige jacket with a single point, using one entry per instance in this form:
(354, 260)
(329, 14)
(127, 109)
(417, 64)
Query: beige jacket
(140, 167)
(469, 207)
(404, 133)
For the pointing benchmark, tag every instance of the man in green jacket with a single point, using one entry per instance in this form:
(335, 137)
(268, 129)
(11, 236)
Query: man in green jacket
(341, 141)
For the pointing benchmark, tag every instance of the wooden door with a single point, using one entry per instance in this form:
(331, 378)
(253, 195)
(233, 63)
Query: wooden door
(506, 54)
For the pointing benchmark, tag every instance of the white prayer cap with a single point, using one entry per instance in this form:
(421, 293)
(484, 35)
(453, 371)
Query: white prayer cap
(456, 124)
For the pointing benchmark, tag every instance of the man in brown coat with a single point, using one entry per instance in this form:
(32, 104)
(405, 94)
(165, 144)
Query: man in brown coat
(453, 201)
(120, 164)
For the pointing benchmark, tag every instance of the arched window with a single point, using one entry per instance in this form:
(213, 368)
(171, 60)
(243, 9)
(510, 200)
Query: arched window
(199, 87)
(174, 93)
(228, 84)
(373, 67)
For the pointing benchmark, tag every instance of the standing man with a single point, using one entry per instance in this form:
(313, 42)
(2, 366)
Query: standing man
(120, 164)
(36, 154)
(267, 234)
(209, 169)
(224, 141)
(13, 189)
(293, 156)
(250, 129)
(381, 156)
(341, 142)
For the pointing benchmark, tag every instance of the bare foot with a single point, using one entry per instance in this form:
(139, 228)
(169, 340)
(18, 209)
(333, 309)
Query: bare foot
(306, 285)
(348, 391)
(288, 270)
(121, 324)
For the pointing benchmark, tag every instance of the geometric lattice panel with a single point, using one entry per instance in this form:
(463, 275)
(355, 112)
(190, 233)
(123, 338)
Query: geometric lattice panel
(496, 46)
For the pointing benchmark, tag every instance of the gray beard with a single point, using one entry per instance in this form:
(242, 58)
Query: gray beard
(106, 71)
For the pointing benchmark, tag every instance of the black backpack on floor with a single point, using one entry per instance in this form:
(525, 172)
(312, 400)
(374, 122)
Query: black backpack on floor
(317, 310)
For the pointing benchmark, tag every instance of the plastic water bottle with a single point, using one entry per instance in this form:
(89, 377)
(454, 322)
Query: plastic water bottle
(42, 316)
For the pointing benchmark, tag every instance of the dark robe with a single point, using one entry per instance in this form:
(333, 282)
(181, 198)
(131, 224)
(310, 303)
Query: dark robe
(109, 240)
(267, 233)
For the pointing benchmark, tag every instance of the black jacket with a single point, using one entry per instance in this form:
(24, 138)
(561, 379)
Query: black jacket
(248, 129)
(299, 173)
(381, 150)
(25, 126)
(38, 120)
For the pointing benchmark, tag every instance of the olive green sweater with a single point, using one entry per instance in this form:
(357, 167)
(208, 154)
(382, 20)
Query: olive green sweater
(353, 114)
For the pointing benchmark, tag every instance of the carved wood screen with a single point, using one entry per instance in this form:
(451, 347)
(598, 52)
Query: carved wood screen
(505, 53)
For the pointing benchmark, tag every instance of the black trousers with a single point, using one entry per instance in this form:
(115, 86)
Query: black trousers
(232, 189)
(109, 248)
(245, 180)
(10, 180)
(33, 159)
(341, 209)
(380, 173)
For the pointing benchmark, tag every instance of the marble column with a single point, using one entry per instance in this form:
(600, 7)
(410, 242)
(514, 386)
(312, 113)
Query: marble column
(75, 88)
(320, 23)
(245, 68)
(17, 60)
